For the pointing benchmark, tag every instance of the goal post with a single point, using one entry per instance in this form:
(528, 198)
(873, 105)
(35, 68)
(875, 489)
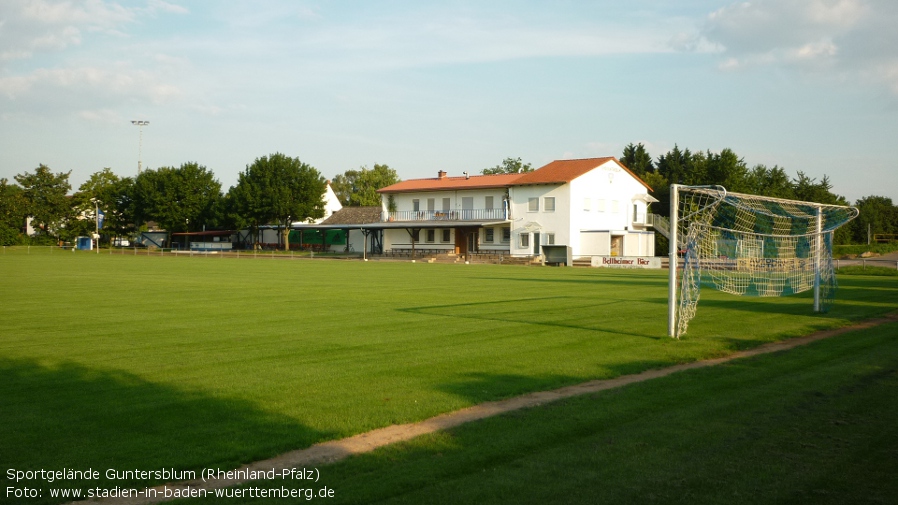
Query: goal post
(673, 262)
(748, 245)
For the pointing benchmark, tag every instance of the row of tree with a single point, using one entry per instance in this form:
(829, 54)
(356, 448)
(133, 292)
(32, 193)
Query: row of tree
(697, 168)
(278, 189)
(275, 189)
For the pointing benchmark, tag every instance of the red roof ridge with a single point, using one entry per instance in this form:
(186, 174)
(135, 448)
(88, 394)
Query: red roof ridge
(565, 171)
(554, 172)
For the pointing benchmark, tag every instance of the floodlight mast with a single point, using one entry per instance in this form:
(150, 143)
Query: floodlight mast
(140, 124)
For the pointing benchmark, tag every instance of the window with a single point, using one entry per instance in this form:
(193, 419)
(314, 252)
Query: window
(586, 204)
(430, 204)
(525, 240)
(416, 236)
(533, 205)
(446, 234)
(549, 204)
(431, 235)
(416, 205)
(467, 202)
(614, 206)
(506, 235)
(600, 205)
(488, 234)
(488, 203)
(446, 204)
(550, 239)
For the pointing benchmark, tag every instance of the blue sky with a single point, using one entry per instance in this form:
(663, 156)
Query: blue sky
(809, 85)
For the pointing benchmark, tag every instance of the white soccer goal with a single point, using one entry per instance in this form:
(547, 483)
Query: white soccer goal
(748, 245)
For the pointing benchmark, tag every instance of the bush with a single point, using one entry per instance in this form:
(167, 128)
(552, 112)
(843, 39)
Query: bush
(879, 271)
(841, 250)
(10, 236)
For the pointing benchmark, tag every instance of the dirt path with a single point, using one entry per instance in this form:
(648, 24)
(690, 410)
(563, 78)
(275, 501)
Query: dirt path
(336, 450)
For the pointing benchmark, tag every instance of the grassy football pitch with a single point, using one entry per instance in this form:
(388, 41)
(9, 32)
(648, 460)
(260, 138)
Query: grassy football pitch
(124, 362)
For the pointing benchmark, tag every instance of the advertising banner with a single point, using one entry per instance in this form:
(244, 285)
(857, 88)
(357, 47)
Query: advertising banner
(626, 261)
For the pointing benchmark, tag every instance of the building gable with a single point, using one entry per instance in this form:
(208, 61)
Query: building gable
(565, 171)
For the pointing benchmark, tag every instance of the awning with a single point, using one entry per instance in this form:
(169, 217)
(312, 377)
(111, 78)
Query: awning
(530, 227)
(645, 197)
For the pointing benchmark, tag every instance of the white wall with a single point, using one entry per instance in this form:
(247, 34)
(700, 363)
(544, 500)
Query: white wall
(594, 243)
(603, 187)
(497, 245)
(400, 239)
(331, 203)
(603, 200)
(524, 221)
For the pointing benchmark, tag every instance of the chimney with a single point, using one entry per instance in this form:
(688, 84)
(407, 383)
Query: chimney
(441, 174)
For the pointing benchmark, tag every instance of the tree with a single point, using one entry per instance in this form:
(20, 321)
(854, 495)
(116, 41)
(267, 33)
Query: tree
(809, 190)
(114, 196)
(12, 213)
(358, 188)
(277, 189)
(509, 166)
(637, 159)
(682, 167)
(726, 169)
(772, 182)
(178, 199)
(878, 215)
(45, 199)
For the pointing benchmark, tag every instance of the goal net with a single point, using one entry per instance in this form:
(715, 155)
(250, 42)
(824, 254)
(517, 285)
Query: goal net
(748, 245)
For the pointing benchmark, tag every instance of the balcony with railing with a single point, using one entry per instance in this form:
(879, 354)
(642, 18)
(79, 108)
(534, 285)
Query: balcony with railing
(446, 215)
(643, 219)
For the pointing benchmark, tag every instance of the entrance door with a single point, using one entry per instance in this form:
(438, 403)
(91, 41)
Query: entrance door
(461, 241)
(617, 245)
(536, 243)
(472, 241)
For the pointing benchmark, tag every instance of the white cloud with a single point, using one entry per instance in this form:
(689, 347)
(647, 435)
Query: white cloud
(89, 78)
(107, 116)
(160, 5)
(432, 37)
(31, 26)
(88, 84)
(841, 39)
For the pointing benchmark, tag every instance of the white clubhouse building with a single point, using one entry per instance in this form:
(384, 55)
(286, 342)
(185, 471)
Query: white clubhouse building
(595, 206)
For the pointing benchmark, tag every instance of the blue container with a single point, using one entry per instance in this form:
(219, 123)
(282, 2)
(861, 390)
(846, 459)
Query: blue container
(84, 243)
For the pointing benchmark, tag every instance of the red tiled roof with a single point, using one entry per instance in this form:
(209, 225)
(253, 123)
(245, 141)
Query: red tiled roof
(563, 171)
(556, 172)
(452, 183)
